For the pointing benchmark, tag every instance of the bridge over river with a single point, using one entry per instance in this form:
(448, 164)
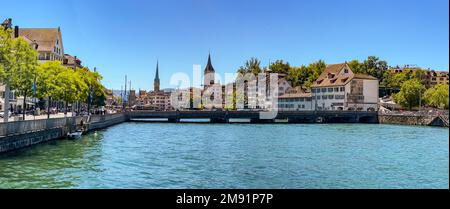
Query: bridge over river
(222, 116)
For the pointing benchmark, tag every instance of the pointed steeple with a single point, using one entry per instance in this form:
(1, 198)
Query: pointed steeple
(157, 71)
(156, 81)
(209, 68)
(209, 73)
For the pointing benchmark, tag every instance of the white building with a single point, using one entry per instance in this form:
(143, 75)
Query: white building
(49, 42)
(295, 102)
(338, 88)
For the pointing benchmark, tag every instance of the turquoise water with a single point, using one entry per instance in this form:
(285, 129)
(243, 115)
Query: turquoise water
(164, 155)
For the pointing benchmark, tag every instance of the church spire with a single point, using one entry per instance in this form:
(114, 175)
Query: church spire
(157, 70)
(209, 68)
(156, 82)
(209, 73)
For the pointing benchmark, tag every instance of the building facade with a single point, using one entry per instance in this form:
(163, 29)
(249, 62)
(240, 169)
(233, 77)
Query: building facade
(49, 40)
(71, 61)
(338, 88)
(156, 99)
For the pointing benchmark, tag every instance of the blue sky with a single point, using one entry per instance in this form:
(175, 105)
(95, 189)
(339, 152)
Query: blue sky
(127, 37)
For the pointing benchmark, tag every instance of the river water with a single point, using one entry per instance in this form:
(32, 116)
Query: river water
(165, 155)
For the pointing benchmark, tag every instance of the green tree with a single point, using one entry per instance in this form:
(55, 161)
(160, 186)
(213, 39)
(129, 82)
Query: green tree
(46, 83)
(299, 75)
(410, 94)
(25, 69)
(99, 95)
(375, 67)
(7, 65)
(280, 67)
(318, 67)
(437, 96)
(67, 87)
(418, 74)
(251, 66)
(356, 66)
(306, 75)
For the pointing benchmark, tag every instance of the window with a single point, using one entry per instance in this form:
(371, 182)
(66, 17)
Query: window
(330, 96)
(324, 97)
(346, 70)
(336, 89)
(301, 99)
(308, 99)
(330, 89)
(342, 88)
(324, 90)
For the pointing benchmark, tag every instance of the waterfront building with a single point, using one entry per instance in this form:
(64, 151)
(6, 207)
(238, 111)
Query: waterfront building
(49, 42)
(256, 98)
(338, 88)
(295, 102)
(436, 78)
(12, 99)
(154, 100)
(71, 61)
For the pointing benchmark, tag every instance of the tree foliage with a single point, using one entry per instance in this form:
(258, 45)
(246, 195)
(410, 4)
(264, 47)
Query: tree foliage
(306, 75)
(410, 94)
(19, 69)
(7, 64)
(437, 96)
(371, 66)
(280, 67)
(251, 66)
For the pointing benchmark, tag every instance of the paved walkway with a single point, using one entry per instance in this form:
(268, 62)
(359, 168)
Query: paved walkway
(31, 117)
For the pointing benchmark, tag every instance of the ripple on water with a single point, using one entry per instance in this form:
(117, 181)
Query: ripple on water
(161, 155)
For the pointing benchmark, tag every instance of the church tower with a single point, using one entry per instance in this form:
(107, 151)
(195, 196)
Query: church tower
(209, 73)
(156, 81)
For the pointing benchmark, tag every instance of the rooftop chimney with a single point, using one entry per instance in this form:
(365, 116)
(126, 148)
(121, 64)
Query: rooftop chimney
(16, 31)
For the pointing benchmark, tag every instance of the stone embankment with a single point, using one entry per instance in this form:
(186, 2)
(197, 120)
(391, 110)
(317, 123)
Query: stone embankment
(425, 119)
(20, 134)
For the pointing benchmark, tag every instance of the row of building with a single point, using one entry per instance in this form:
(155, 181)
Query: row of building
(48, 42)
(337, 88)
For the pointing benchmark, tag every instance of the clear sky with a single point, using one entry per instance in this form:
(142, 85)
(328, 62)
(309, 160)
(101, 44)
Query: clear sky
(128, 36)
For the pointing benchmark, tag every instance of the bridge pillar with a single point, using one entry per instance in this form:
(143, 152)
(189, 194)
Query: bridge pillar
(219, 120)
(257, 120)
(173, 120)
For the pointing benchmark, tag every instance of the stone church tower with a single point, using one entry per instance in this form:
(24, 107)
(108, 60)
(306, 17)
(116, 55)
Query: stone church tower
(209, 74)
(156, 82)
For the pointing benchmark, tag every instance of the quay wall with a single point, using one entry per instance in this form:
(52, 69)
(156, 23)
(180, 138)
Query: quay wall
(421, 120)
(20, 134)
